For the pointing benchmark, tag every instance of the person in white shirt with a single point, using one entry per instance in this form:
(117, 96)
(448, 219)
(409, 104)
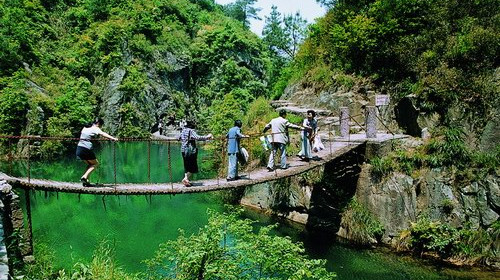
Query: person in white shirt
(279, 128)
(84, 148)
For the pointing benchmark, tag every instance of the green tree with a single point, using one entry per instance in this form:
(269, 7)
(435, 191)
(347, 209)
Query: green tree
(242, 11)
(327, 3)
(76, 105)
(224, 113)
(13, 108)
(272, 33)
(295, 32)
(228, 248)
(284, 35)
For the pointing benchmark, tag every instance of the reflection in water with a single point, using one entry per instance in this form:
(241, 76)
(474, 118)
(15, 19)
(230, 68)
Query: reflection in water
(366, 264)
(133, 163)
(72, 225)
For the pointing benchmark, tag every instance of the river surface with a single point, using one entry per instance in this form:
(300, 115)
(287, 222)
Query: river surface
(72, 225)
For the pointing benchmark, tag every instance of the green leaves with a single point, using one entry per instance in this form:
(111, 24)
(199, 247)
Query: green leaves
(13, 108)
(228, 248)
(76, 104)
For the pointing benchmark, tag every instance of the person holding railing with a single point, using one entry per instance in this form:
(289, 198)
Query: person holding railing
(233, 149)
(189, 151)
(308, 136)
(84, 148)
(279, 128)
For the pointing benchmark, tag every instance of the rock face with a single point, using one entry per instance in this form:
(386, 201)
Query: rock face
(15, 235)
(392, 201)
(156, 97)
(356, 97)
(315, 198)
(395, 201)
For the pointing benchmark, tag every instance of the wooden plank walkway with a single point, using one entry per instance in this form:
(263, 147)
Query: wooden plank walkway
(257, 176)
(261, 175)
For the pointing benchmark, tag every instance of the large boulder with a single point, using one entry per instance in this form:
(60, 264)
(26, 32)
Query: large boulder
(392, 201)
(155, 98)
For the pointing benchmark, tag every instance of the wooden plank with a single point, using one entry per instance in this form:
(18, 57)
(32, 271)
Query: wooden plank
(255, 177)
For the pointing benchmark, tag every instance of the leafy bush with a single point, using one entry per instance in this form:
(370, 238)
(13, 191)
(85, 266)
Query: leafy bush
(57, 127)
(381, 166)
(13, 108)
(131, 123)
(76, 105)
(450, 150)
(471, 243)
(229, 248)
(102, 266)
(478, 243)
(447, 205)
(360, 223)
(283, 80)
(258, 115)
(433, 236)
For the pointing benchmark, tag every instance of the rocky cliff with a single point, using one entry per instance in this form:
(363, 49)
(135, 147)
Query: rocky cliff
(396, 200)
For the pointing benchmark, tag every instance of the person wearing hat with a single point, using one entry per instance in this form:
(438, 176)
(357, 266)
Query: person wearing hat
(279, 134)
(189, 151)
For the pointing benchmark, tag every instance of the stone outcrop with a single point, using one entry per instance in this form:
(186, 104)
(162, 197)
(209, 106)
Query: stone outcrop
(16, 237)
(395, 201)
(392, 201)
(156, 97)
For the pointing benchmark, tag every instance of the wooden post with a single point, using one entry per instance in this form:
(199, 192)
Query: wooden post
(30, 224)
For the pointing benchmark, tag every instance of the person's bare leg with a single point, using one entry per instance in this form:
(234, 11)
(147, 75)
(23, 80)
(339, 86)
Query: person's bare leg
(92, 165)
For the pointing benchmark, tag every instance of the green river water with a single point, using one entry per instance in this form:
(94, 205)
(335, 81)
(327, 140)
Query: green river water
(72, 225)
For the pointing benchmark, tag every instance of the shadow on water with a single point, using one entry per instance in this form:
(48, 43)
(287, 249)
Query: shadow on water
(350, 262)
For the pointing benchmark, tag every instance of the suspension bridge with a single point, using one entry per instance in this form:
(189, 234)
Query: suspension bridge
(334, 147)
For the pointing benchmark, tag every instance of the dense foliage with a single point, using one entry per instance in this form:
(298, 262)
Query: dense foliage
(443, 55)
(103, 266)
(426, 236)
(67, 61)
(226, 248)
(443, 52)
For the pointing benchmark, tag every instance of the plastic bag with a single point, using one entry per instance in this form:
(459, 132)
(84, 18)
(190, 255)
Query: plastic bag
(317, 145)
(243, 156)
(266, 142)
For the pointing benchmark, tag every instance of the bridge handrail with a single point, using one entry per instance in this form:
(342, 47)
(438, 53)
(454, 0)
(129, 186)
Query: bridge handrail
(31, 138)
(222, 146)
(123, 139)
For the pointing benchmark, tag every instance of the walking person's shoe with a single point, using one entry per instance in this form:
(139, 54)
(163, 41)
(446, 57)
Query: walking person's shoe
(269, 169)
(186, 183)
(233, 178)
(85, 182)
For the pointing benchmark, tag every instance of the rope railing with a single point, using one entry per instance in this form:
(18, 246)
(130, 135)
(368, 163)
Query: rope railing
(218, 141)
(382, 122)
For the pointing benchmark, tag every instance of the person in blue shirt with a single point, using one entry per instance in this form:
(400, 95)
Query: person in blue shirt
(233, 148)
